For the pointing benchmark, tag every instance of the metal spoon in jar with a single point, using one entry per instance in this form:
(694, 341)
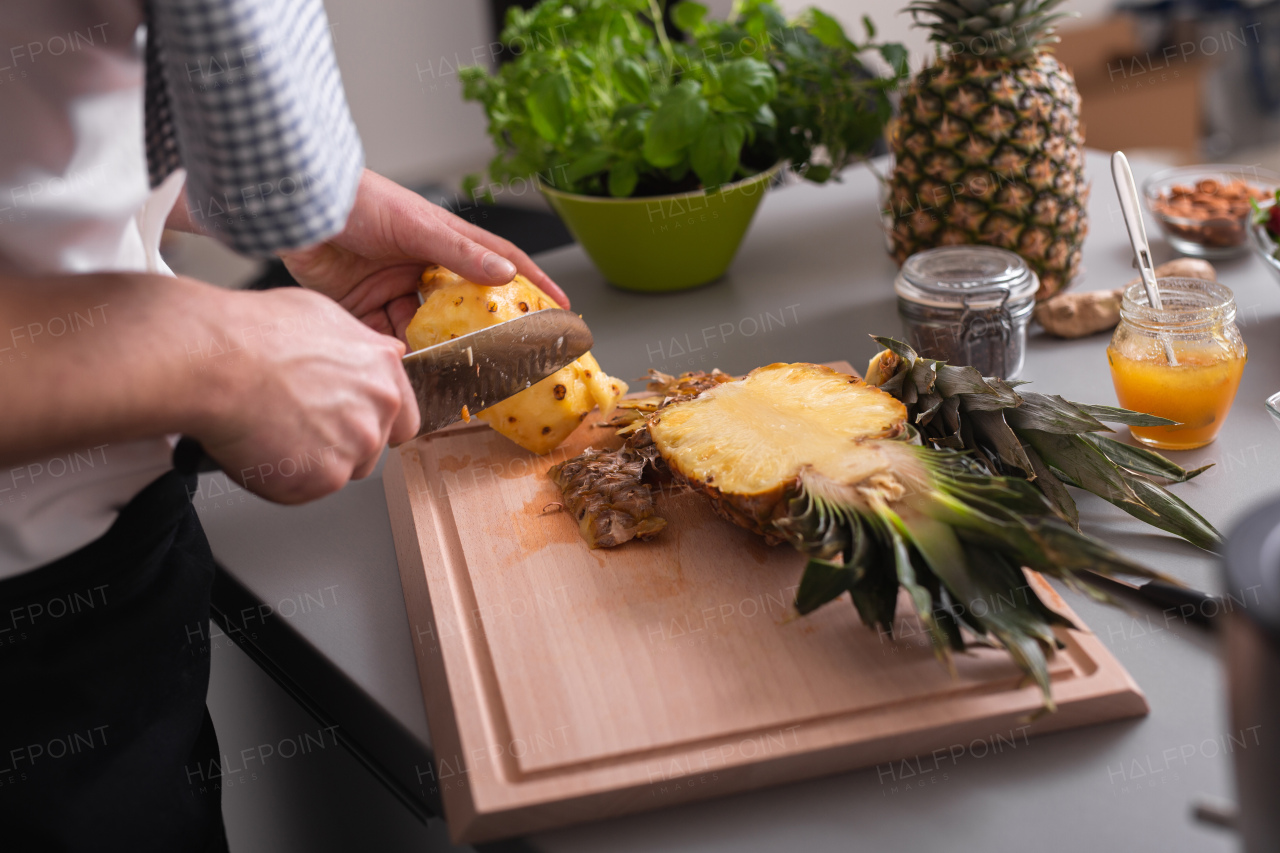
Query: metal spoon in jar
(1132, 210)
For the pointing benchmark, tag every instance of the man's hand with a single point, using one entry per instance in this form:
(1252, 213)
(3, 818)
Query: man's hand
(287, 391)
(313, 402)
(372, 268)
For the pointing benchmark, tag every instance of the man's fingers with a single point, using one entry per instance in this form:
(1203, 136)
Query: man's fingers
(432, 235)
(379, 322)
(507, 249)
(399, 314)
(365, 468)
(432, 240)
(408, 419)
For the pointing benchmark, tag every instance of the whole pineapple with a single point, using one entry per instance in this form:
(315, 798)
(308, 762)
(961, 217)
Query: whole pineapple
(988, 143)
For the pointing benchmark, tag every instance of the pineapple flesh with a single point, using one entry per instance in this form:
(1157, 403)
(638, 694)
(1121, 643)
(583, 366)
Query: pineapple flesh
(745, 444)
(540, 417)
(989, 148)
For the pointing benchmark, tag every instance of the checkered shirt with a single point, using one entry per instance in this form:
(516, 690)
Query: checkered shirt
(245, 95)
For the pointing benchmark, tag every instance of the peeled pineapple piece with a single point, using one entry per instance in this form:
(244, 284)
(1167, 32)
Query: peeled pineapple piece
(540, 417)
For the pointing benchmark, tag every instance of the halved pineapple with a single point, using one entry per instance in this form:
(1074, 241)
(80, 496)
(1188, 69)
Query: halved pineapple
(821, 460)
(538, 418)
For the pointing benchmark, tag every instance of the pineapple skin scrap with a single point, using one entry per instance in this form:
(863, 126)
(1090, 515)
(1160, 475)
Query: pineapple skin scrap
(542, 416)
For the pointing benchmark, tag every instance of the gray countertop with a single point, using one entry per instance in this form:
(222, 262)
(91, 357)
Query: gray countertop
(811, 281)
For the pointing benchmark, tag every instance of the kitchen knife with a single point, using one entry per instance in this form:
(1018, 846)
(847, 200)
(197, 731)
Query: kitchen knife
(1177, 602)
(475, 370)
(485, 367)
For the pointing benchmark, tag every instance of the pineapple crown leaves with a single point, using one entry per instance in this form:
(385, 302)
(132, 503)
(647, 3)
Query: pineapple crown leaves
(1045, 439)
(956, 547)
(1016, 29)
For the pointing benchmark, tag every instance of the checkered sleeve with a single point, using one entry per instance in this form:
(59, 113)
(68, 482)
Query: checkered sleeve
(245, 94)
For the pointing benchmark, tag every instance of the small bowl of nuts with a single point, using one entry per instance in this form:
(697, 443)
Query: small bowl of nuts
(1205, 211)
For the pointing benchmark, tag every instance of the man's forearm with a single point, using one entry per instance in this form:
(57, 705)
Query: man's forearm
(88, 359)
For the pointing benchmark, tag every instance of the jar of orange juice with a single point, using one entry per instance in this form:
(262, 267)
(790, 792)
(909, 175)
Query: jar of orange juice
(1197, 321)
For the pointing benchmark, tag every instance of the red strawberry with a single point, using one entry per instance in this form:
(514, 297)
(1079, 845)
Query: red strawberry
(1273, 220)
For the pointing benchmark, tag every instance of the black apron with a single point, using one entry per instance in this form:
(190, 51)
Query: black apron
(104, 667)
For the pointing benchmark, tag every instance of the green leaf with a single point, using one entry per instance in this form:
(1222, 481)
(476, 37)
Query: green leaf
(822, 581)
(475, 82)
(629, 134)
(675, 125)
(945, 555)
(1085, 465)
(875, 593)
(1082, 463)
(622, 179)
(470, 184)
(715, 153)
(1008, 494)
(1051, 413)
(765, 116)
(920, 596)
(1161, 508)
(1144, 461)
(896, 56)
(996, 435)
(1112, 415)
(688, 16)
(588, 165)
(1053, 489)
(1067, 551)
(924, 374)
(869, 27)
(898, 348)
(978, 393)
(828, 30)
(581, 63)
(748, 83)
(631, 78)
(548, 106)
(711, 84)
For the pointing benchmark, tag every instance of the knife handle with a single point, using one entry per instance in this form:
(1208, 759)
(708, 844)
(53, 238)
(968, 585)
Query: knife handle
(189, 458)
(1190, 604)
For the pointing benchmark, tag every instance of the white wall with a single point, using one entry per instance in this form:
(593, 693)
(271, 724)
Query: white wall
(398, 60)
(894, 25)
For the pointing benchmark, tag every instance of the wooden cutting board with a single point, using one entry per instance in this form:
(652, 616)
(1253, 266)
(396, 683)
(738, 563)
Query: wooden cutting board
(564, 684)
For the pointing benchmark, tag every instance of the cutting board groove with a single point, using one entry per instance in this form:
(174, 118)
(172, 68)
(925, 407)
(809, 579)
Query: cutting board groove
(563, 684)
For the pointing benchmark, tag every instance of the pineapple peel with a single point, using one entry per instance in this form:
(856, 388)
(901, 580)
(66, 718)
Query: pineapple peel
(540, 417)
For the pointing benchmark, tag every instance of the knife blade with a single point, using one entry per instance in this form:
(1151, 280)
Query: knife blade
(475, 370)
(487, 366)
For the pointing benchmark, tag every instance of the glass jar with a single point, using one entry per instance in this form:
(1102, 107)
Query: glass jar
(968, 305)
(1198, 322)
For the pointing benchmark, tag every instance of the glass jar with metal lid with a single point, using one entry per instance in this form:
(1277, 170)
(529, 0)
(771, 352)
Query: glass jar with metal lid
(968, 305)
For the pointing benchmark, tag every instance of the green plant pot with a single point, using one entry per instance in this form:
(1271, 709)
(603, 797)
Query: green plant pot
(663, 243)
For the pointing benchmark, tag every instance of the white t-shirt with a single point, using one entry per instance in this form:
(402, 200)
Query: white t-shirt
(74, 198)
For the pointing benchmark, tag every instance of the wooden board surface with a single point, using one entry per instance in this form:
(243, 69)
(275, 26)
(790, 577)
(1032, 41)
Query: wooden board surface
(565, 684)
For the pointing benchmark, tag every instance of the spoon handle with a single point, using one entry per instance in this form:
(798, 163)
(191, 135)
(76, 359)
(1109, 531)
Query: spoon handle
(1130, 206)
